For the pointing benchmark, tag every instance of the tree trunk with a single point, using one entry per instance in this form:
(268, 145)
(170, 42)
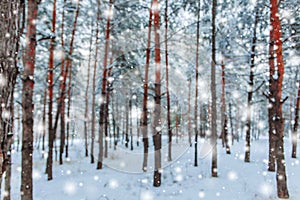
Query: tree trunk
(189, 114)
(44, 122)
(94, 85)
(167, 86)
(225, 117)
(50, 92)
(296, 121)
(196, 89)
(144, 118)
(250, 89)
(282, 190)
(214, 166)
(62, 100)
(156, 124)
(27, 102)
(103, 89)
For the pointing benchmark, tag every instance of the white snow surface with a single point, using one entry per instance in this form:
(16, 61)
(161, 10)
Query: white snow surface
(77, 179)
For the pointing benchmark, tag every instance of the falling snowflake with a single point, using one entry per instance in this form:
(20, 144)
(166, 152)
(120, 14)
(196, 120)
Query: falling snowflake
(146, 195)
(266, 189)
(70, 188)
(113, 184)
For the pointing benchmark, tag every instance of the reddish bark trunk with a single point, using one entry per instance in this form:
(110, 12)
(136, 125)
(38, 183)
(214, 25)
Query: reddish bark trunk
(27, 102)
(50, 92)
(282, 190)
(103, 90)
(144, 120)
(156, 126)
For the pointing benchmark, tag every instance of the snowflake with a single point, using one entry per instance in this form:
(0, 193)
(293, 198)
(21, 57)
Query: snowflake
(232, 176)
(70, 188)
(113, 184)
(146, 195)
(201, 195)
(266, 189)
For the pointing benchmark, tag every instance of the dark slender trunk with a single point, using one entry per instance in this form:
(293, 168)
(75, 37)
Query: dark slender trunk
(44, 122)
(103, 89)
(214, 166)
(296, 121)
(50, 92)
(167, 86)
(189, 114)
(27, 102)
(250, 90)
(196, 89)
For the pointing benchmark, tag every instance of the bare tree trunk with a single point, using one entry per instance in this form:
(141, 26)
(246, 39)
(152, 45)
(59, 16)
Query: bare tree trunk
(51, 132)
(144, 118)
(296, 121)
(167, 86)
(250, 90)
(156, 124)
(214, 166)
(103, 89)
(27, 102)
(282, 190)
(231, 124)
(196, 89)
(44, 122)
(94, 85)
(225, 117)
(189, 114)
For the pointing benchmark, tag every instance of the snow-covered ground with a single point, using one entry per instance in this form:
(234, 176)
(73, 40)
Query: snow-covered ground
(122, 177)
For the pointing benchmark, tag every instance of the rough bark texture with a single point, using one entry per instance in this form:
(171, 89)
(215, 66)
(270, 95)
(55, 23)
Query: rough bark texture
(11, 27)
(282, 190)
(296, 123)
(50, 92)
(156, 124)
(103, 89)
(214, 166)
(27, 103)
(144, 119)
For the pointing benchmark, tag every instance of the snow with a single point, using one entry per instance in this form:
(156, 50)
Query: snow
(122, 177)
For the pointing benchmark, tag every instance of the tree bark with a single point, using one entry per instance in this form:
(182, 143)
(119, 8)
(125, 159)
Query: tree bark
(282, 190)
(144, 118)
(167, 86)
(214, 166)
(27, 102)
(156, 124)
(296, 123)
(103, 89)
(224, 124)
(196, 89)
(51, 132)
(250, 89)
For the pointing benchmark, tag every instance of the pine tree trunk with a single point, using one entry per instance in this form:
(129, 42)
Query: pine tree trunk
(156, 124)
(214, 166)
(189, 114)
(50, 92)
(44, 122)
(94, 85)
(62, 102)
(282, 190)
(103, 89)
(144, 118)
(86, 112)
(296, 121)
(224, 125)
(250, 90)
(27, 102)
(167, 86)
(196, 89)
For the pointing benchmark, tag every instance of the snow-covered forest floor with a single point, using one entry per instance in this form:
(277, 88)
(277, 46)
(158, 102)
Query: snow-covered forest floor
(122, 177)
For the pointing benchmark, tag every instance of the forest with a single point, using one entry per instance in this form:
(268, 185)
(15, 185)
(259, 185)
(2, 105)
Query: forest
(149, 99)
